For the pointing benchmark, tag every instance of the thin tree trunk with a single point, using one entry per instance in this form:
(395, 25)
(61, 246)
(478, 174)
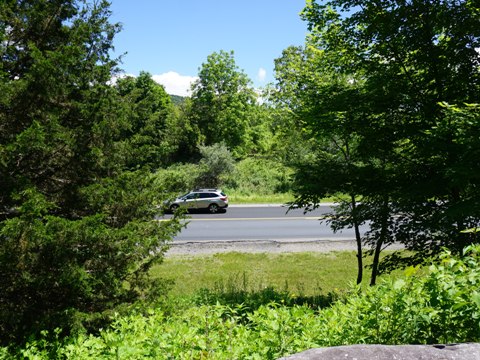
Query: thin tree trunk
(376, 259)
(380, 242)
(358, 238)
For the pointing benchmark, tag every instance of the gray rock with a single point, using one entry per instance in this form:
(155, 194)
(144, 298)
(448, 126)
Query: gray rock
(392, 352)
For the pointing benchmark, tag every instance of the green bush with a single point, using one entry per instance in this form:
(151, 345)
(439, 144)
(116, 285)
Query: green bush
(442, 306)
(217, 162)
(71, 273)
(259, 176)
(246, 179)
(177, 179)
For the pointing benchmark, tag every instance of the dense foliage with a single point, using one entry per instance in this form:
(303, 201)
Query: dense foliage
(77, 200)
(378, 106)
(147, 109)
(383, 91)
(442, 306)
(259, 176)
(222, 102)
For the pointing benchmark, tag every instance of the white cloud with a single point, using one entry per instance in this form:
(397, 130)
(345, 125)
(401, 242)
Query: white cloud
(174, 83)
(115, 78)
(262, 74)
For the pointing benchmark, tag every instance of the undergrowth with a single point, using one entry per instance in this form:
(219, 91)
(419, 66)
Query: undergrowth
(441, 306)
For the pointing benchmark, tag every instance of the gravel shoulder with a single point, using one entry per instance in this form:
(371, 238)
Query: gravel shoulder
(192, 248)
(259, 246)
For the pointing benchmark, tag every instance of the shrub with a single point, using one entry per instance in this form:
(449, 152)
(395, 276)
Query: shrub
(178, 178)
(217, 162)
(442, 306)
(70, 273)
(259, 176)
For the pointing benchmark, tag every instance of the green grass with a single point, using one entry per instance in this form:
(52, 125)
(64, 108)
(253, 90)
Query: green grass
(283, 198)
(239, 198)
(305, 274)
(437, 307)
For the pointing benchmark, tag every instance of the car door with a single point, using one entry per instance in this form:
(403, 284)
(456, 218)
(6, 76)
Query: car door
(190, 201)
(204, 199)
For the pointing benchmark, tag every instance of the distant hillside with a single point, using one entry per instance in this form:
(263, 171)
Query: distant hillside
(177, 100)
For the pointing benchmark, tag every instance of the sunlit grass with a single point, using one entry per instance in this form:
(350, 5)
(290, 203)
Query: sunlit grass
(283, 198)
(240, 198)
(307, 273)
(302, 273)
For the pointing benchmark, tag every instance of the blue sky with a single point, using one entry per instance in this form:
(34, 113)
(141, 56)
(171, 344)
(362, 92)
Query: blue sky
(171, 39)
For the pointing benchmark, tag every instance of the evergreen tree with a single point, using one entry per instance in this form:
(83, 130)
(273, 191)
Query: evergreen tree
(76, 231)
(148, 109)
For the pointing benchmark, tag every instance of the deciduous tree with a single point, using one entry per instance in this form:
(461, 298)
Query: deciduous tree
(222, 102)
(375, 73)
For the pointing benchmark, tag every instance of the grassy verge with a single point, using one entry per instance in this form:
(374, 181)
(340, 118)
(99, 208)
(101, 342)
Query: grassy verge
(240, 198)
(304, 274)
(279, 198)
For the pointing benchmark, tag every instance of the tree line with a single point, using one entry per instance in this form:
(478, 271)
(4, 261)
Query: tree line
(378, 107)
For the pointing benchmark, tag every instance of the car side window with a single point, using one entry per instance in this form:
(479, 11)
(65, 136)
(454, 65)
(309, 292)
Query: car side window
(206, 195)
(191, 196)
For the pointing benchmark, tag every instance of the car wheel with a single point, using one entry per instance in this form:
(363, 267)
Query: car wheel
(173, 207)
(213, 208)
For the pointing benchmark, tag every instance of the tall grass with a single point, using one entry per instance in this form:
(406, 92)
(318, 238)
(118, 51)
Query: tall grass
(252, 181)
(304, 274)
(236, 197)
(259, 180)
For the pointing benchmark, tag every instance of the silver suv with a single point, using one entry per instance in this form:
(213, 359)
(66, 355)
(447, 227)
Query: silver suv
(212, 200)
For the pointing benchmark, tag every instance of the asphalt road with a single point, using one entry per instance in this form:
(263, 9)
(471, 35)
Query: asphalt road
(251, 223)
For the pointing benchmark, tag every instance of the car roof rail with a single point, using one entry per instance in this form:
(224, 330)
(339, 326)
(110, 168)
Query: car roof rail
(204, 190)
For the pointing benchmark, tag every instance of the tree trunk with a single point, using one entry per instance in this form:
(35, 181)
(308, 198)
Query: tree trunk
(380, 242)
(358, 238)
(376, 260)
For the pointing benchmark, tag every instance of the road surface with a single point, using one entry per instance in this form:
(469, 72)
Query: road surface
(261, 223)
(256, 228)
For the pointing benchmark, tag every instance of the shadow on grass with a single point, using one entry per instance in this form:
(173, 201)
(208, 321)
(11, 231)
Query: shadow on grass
(237, 292)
